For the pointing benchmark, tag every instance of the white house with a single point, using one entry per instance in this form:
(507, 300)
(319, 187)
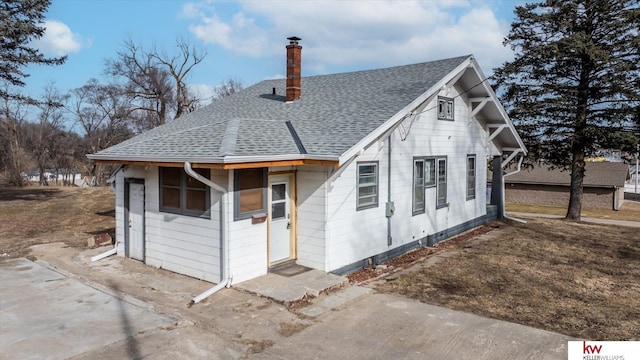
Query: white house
(329, 172)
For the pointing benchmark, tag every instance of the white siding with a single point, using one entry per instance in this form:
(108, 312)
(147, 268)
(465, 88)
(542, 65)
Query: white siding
(355, 235)
(184, 244)
(311, 216)
(247, 245)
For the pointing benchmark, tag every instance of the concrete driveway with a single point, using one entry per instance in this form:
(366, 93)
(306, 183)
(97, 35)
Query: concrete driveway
(45, 314)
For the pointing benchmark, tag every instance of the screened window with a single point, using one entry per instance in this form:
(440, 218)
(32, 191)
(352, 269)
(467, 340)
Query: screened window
(182, 194)
(367, 187)
(471, 177)
(445, 108)
(441, 185)
(250, 192)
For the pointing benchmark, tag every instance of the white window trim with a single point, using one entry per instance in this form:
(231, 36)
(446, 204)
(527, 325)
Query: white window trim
(471, 177)
(376, 185)
(448, 108)
(439, 185)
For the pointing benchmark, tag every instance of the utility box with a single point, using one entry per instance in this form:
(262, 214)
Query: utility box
(390, 209)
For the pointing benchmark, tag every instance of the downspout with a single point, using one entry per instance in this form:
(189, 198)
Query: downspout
(504, 192)
(224, 248)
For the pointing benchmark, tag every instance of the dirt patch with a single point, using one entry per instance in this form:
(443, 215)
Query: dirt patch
(38, 215)
(289, 329)
(257, 346)
(573, 278)
(416, 255)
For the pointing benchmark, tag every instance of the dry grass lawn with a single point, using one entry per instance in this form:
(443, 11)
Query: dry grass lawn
(629, 211)
(577, 279)
(37, 215)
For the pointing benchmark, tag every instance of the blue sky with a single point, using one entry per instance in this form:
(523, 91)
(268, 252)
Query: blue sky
(245, 40)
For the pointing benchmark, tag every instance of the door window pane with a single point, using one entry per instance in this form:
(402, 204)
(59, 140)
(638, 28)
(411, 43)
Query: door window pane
(278, 192)
(278, 210)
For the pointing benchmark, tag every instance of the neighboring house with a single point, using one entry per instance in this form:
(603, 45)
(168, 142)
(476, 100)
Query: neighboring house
(603, 185)
(53, 175)
(331, 172)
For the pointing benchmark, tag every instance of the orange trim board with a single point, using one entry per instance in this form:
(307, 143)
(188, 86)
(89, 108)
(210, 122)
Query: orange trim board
(248, 165)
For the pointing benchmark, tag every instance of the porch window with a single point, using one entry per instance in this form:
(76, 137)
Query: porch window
(424, 176)
(367, 187)
(471, 177)
(250, 192)
(182, 194)
(445, 108)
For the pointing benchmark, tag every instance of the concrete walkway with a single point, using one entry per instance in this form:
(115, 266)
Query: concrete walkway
(585, 219)
(380, 326)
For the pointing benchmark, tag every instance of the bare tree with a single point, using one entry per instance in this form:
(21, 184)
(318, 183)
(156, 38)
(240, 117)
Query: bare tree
(46, 135)
(229, 87)
(179, 67)
(14, 157)
(102, 112)
(155, 81)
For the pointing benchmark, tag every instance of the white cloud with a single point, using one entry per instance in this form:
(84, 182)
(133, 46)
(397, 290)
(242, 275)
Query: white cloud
(359, 33)
(206, 93)
(58, 39)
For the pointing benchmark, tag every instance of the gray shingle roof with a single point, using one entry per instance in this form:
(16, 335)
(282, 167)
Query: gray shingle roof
(333, 114)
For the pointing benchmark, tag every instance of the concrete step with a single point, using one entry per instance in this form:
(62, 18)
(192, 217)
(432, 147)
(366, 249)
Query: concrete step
(333, 300)
(288, 290)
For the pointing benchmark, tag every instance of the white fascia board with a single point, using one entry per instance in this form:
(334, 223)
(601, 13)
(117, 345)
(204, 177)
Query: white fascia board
(400, 115)
(217, 159)
(499, 106)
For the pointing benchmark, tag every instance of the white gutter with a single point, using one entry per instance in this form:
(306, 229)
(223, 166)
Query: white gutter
(504, 191)
(216, 160)
(224, 251)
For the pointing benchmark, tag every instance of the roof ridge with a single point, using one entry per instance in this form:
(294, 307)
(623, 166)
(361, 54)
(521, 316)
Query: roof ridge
(230, 138)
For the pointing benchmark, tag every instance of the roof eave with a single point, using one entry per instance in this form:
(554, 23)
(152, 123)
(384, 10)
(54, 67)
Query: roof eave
(226, 162)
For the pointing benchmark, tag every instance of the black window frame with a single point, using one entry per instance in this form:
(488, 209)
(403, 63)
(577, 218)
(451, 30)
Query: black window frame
(237, 215)
(358, 186)
(445, 115)
(183, 210)
(471, 177)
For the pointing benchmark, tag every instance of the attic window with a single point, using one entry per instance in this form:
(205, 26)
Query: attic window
(445, 108)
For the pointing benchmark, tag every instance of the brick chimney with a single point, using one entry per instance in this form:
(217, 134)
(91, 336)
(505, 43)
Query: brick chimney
(294, 68)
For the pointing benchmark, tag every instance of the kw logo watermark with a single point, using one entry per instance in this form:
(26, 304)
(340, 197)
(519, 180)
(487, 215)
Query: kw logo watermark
(603, 350)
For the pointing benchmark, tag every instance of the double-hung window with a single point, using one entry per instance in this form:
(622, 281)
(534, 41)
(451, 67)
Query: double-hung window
(445, 108)
(441, 185)
(367, 186)
(182, 194)
(471, 177)
(429, 172)
(423, 177)
(250, 192)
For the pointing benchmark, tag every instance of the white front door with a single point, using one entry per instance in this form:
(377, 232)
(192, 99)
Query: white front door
(135, 221)
(280, 220)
